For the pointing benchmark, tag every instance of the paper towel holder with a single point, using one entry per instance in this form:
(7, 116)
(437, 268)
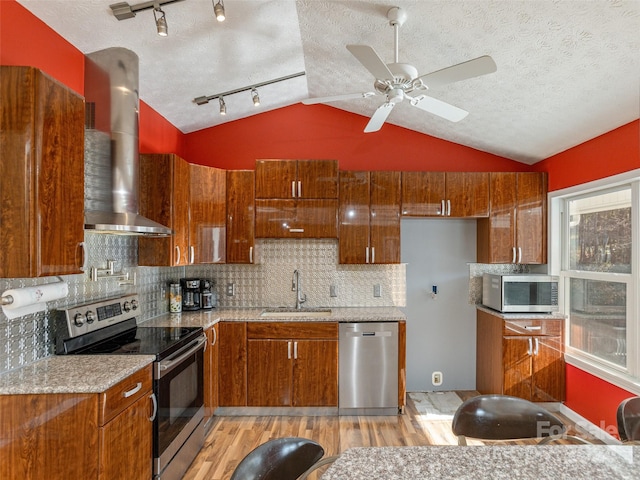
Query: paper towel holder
(6, 300)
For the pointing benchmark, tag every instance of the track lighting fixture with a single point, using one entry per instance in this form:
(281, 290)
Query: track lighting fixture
(253, 88)
(255, 97)
(161, 21)
(218, 10)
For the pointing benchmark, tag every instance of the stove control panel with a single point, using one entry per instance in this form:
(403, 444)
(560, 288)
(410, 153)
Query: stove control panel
(93, 316)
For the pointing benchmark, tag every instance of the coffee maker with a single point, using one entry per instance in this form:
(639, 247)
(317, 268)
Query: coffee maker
(191, 299)
(208, 298)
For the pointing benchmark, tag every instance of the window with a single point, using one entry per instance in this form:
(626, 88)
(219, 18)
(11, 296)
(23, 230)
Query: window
(594, 249)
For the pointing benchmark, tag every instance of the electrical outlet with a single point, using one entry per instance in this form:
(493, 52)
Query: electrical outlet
(377, 292)
(231, 289)
(436, 378)
(332, 291)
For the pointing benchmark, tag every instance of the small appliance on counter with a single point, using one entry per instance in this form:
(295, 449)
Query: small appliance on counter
(191, 298)
(208, 298)
(520, 293)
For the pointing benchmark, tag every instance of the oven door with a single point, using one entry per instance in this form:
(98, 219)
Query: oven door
(179, 389)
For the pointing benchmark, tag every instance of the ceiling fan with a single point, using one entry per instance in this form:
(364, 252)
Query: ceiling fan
(398, 81)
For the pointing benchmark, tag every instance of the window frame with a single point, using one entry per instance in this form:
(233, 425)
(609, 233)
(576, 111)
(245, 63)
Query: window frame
(558, 234)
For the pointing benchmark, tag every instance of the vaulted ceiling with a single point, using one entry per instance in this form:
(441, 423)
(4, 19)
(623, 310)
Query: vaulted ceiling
(567, 70)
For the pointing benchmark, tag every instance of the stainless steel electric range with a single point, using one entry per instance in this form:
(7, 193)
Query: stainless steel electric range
(110, 327)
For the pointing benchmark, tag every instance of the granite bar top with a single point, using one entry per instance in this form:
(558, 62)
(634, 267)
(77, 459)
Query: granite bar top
(522, 316)
(512, 462)
(72, 374)
(207, 318)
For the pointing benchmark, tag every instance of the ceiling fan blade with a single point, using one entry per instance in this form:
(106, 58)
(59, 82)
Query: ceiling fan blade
(346, 96)
(461, 71)
(370, 60)
(378, 118)
(438, 107)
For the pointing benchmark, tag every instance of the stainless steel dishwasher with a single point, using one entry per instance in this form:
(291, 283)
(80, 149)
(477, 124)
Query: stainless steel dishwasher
(368, 362)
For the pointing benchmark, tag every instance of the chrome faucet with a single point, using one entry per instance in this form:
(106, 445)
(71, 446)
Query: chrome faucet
(296, 287)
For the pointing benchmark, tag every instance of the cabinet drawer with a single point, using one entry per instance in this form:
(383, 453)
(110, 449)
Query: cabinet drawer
(125, 393)
(533, 327)
(292, 330)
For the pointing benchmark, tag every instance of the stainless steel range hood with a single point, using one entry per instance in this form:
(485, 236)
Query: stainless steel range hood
(111, 92)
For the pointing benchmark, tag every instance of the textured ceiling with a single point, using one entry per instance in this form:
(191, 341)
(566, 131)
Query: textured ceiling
(568, 70)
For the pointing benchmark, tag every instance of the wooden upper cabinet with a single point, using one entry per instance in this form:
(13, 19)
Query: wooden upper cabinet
(422, 193)
(164, 198)
(369, 217)
(240, 216)
(296, 179)
(207, 214)
(515, 231)
(445, 194)
(303, 218)
(41, 175)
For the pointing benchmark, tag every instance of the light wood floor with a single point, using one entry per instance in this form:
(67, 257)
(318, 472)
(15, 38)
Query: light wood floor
(231, 438)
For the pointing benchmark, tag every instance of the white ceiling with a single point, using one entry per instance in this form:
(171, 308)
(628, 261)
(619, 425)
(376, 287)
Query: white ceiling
(568, 70)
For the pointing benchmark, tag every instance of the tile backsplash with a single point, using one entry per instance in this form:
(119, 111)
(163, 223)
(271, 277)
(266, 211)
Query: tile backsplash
(267, 283)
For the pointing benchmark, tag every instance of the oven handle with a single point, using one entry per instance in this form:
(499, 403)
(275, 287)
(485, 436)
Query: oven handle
(167, 365)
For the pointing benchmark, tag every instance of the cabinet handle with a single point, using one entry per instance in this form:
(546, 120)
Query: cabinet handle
(448, 208)
(519, 254)
(373, 254)
(289, 350)
(154, 400)
(83, 254)
(530, 349)
(533, 327)
(177, 262)
(299, 189)
(366, 255)
(250, 254)
(296, 230)
(192, 254)
(513, 256)
(442, 210)
(133, 391)
(295, 350)
(215, 336)
(293, 189)
(535, 352)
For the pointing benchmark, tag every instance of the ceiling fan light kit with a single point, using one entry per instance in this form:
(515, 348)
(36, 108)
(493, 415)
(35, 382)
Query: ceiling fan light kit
(397, 81)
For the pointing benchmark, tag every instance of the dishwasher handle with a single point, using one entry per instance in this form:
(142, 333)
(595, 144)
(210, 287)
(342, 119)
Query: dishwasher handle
(369, 334)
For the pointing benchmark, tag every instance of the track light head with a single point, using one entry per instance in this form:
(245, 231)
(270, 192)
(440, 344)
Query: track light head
(218, 10)
(223, 107)
(255, 97)
(161, 21)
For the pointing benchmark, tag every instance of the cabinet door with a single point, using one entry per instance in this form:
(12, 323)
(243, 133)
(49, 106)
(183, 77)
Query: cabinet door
(500, 237)
(353, 217)
(210, 372)
(296, 218)
(207, 214)
(240, 216)
(548, 369)
(315, 373)
(422, 193)
(232, 364)
(385, 217)
(318, 179)
(516, 359)
(276, 218)
(467, 194)
(531, 218)
(126, 443)
(269, 370)
(41, 175)
(276, 178)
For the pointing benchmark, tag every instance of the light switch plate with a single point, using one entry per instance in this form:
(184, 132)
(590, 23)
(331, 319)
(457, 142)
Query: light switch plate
(377, 292)
(231, 289)
(332, 291)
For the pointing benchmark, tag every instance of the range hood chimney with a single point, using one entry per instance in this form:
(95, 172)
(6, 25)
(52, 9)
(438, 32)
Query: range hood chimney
(111, 91)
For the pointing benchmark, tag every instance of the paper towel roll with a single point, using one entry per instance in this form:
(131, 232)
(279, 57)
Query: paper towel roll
(33, 299)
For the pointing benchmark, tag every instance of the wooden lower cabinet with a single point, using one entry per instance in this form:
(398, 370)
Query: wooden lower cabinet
(523, 358)
(211, 372)
(232, 364)
(402, 365)
(60, 436)
(292, 364)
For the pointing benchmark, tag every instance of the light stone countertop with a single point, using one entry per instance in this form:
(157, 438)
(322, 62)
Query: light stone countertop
(522, 316)
(72, 374)
(207, 318)
(508, 462)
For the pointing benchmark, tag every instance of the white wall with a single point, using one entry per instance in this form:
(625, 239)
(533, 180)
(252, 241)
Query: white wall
(441, 332)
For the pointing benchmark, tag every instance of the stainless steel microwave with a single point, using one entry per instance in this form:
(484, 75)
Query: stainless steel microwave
(520, 293)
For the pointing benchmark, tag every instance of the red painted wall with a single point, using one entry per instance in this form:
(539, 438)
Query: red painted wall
(320, 131)
(614, 152)
(25, 40)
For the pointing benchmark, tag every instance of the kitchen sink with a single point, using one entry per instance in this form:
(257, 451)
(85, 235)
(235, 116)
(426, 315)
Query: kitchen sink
(292, 312)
